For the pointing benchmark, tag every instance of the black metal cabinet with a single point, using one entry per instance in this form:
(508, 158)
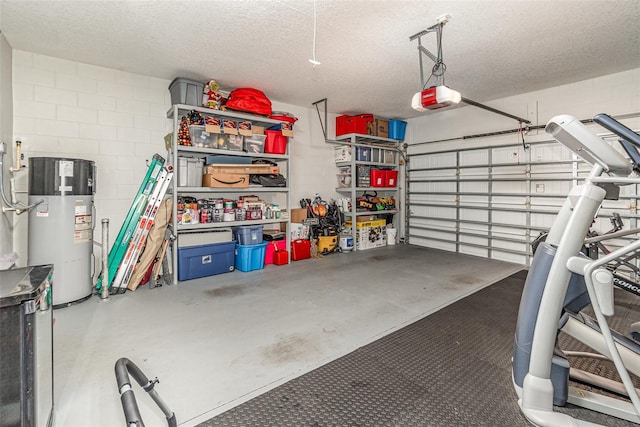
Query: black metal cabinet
(26, 347)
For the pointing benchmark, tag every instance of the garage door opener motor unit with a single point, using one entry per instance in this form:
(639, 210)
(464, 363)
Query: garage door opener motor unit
(438, 95)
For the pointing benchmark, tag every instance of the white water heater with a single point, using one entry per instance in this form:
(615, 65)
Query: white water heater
(61, 225)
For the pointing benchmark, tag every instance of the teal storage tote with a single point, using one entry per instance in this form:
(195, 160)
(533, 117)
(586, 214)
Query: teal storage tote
(250, 257)
(397, 129)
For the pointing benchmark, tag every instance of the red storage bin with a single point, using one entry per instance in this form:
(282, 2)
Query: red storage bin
(300, 249)
(353, 124)
(272, 248)
(275, 143)
(390, 178)
(378, 178)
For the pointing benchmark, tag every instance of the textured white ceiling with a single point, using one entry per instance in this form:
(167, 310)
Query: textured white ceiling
(492, 49)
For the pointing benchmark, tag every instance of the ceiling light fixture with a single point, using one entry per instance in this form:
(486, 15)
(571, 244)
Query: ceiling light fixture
(313, 58)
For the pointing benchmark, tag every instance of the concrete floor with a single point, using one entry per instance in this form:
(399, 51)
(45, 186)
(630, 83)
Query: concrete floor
(219, 341)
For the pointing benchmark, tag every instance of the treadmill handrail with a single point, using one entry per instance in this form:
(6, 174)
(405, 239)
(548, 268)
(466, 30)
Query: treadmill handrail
(573, 134)
(618, 128)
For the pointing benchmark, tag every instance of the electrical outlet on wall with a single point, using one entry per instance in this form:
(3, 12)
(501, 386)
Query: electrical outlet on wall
(539, 188)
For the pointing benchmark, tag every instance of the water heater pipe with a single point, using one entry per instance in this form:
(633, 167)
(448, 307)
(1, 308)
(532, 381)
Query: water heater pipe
(104, 293)
(12, 205)
(17, 165)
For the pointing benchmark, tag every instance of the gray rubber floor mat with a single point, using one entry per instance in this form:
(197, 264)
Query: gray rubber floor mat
(452, 368)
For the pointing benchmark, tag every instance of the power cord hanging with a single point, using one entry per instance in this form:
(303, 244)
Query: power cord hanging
(313, 59)
(439, 67)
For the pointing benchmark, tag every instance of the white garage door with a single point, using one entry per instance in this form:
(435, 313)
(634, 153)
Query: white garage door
(493, 201)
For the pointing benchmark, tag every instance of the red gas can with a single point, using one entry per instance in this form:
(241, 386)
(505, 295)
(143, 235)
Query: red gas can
(272, 249)
(300, 249)
(281, 257)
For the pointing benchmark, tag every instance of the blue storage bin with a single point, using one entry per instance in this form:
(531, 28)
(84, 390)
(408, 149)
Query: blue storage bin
(250, 257)
(397, 129)
(363, 154)
(247, 234)
(205, 260)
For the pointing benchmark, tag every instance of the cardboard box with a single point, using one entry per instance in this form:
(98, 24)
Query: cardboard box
(342, 154)
(213, 125)
(371, 128)
(225, 180)
(299, 231)
(244, 128)
(254, 169)
(229, 127)
(287, 129)
(364, 221)
(298, 215)
(370, 234)
(382, 128)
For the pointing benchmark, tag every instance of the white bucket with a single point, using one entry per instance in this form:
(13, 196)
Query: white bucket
(346, 242)
(392, 233)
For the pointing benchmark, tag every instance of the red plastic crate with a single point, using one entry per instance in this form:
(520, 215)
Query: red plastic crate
(390, 178)
(275, 143)
(352, 124)
(378, 178)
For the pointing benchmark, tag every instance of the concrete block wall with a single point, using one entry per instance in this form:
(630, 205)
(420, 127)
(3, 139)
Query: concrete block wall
(6, 128)
(117, 119)
(68, 109)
